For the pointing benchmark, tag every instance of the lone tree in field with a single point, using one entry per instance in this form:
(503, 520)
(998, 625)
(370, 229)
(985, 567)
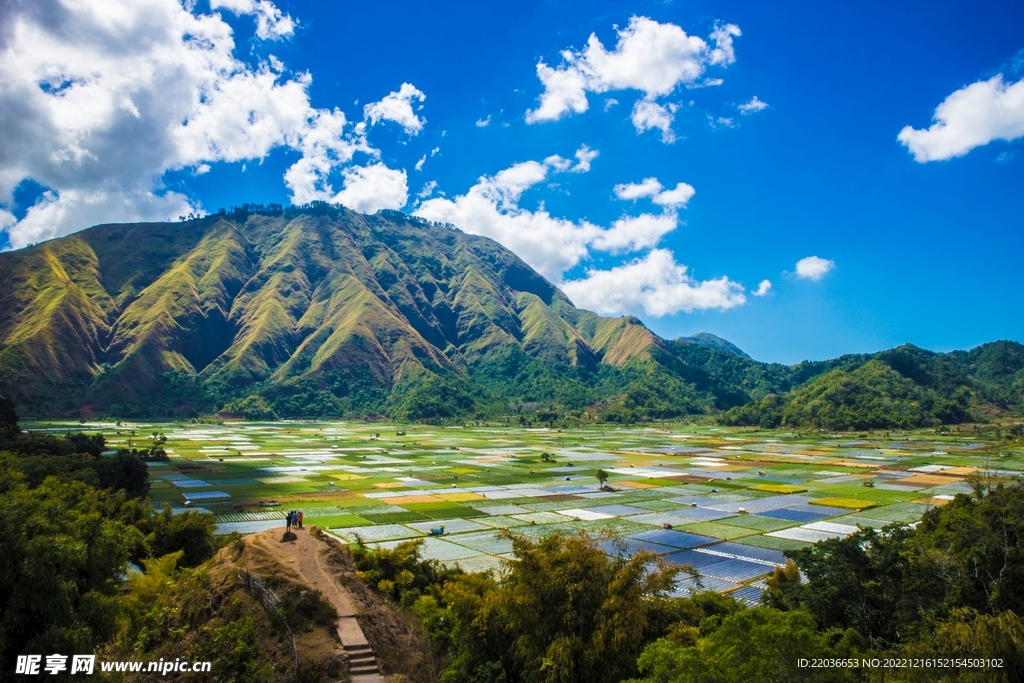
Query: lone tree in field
(602, 477)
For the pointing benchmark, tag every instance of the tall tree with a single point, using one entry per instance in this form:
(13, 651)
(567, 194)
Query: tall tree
(565, 612)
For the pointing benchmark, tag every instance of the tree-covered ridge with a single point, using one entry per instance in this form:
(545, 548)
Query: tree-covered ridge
(899, 388)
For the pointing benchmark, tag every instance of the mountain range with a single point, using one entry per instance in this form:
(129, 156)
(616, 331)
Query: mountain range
(320, 311)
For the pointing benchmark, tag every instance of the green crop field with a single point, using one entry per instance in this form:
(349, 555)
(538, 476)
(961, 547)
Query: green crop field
(697, 495)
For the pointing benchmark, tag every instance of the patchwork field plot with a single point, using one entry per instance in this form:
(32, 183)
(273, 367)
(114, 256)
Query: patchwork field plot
(724, 502)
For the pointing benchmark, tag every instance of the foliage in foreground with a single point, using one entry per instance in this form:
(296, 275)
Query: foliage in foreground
(564, 611)
(895, 584)
(71, 522)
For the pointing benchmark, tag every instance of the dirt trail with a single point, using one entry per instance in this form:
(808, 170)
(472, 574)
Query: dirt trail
(303, 556)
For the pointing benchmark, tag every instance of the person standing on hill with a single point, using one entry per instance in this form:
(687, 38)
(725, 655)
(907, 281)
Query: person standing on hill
(288, 522)
(298, 518)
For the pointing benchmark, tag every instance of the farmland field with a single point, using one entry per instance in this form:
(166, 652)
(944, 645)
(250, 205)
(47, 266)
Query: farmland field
(726, 502)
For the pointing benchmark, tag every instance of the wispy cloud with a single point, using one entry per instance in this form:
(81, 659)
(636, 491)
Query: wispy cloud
(753, 106)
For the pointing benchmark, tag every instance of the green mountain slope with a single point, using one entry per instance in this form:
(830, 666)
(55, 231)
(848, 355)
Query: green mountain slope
(321, 312)
(321, 301)
(902, 387)
(714, 342)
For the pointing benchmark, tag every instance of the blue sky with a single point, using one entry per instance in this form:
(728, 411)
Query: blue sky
(908, 227)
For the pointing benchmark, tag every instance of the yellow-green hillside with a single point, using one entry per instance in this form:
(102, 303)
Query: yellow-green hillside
(322, 299)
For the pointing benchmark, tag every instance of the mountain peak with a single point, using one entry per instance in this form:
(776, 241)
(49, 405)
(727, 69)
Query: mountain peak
(714, 342)
(318, 308)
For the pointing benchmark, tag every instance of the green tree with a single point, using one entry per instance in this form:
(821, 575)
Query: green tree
(123, 471)
(235, 651)
(64, 548)
(759, 644)
(893, 584)
(565, 611)
(8, 419)
(974, 547)
(191, 532)
(400, 575)
(855, 582)
(967, 634)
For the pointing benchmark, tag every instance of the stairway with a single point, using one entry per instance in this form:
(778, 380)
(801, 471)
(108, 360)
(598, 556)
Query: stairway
(362, 664)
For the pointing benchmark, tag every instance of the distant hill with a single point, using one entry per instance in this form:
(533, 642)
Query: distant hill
(714, 342)
(902, 387)
(318, 311)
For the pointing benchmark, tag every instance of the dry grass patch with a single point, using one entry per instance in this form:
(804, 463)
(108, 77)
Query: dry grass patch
(845, 503)
(460, 497)
(777, 488)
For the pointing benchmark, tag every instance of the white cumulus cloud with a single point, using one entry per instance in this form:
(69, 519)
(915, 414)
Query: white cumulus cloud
(96, 110)
(634, 233)
(371, 188)
(271, 22)
(656, 284)
(651, 57)
(550, 244)
(973, 116)
(675, 198)
(490, 208)
(397, 106)
(428, 189)
(813, 268)
(753, 106)
(764, 288)
(557, 162)
(723, 53)
(584, 155)
(648, 187)
(649, 115)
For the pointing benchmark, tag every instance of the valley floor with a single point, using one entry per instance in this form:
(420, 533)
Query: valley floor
(724, 501)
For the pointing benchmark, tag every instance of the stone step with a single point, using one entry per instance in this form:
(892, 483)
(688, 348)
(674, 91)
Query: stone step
(368, 678)
(357, 670)
(361, 660)
(358, 648)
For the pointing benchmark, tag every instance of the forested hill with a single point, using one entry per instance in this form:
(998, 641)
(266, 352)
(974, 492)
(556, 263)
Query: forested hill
(902, 387)
(322, 312)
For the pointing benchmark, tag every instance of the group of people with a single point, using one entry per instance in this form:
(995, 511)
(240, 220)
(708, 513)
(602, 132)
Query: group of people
(294, 519)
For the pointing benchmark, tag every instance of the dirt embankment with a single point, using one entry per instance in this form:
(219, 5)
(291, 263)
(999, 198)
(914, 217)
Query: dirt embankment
(320, 562)
(401, 646)
(318, 654)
